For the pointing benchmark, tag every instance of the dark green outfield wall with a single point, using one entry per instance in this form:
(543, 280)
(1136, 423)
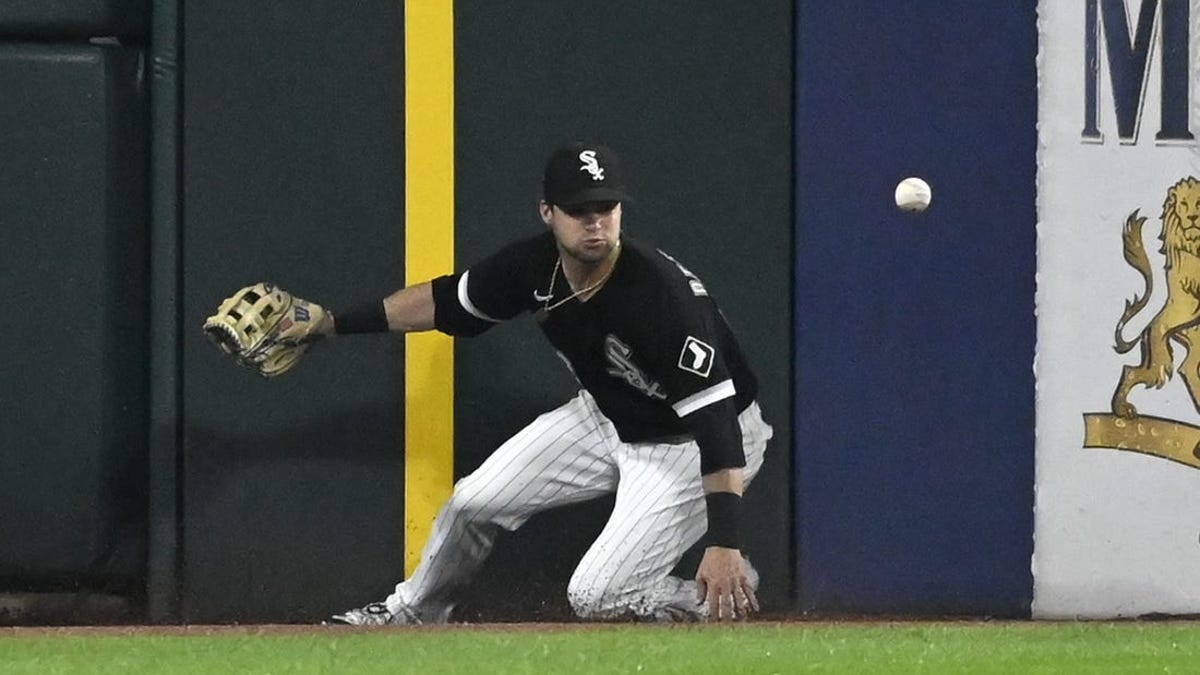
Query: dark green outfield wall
(76, 20)
(73, 269)
(292, 489)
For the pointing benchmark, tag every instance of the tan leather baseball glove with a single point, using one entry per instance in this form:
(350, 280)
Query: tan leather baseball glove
(265, 328)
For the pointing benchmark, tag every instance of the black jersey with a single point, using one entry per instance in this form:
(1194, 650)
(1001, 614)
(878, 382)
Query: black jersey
(650, 346)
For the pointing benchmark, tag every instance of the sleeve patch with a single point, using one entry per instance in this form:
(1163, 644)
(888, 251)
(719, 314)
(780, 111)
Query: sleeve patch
(696, 357)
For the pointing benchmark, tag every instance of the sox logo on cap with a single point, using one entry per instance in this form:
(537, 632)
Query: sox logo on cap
(590, 164)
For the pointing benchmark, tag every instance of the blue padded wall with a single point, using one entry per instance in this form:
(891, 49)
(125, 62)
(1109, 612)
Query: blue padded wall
(915, 334)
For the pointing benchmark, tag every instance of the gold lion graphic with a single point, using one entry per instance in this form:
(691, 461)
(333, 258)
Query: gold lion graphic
(1179, 319)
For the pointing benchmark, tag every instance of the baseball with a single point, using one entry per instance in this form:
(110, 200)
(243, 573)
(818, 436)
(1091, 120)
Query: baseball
(913, 195)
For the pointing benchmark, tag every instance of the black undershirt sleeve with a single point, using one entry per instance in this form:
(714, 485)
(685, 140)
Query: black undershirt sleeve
(449, 316)
(494, 289)
(715, 428)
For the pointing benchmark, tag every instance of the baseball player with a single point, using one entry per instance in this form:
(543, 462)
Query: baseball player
(666, 416)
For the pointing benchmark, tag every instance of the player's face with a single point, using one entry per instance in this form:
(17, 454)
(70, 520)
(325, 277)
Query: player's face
(587, 232)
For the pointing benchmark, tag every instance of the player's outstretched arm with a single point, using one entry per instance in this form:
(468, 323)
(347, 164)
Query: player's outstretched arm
(408, 310)
(268, 330)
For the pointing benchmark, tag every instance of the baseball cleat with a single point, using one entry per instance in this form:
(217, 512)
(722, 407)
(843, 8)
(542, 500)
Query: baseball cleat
(376, 614)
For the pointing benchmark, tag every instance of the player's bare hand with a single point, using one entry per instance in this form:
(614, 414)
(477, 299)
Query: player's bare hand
(721, 580)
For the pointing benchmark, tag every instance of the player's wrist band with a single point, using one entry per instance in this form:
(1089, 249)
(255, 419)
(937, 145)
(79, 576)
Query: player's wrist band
(368, 318)
(724, 513)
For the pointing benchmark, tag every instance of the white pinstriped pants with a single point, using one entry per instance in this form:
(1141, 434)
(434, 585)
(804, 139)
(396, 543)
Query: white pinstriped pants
(569, 455)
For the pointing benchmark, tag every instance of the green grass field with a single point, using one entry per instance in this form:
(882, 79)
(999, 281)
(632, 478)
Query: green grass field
(903, 647)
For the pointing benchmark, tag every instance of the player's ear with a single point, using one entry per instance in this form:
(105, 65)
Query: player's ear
(546, 211)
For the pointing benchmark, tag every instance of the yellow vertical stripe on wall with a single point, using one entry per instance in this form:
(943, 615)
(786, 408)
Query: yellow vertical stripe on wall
(429, 252)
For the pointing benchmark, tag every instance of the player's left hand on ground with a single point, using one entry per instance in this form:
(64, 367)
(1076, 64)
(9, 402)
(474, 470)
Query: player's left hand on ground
(265, 328)
(721, 580)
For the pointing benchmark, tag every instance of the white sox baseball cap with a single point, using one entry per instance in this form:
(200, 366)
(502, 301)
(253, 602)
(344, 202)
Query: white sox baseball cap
(583, 172)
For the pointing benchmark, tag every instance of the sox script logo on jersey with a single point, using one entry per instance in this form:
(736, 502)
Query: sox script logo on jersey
(622, 366)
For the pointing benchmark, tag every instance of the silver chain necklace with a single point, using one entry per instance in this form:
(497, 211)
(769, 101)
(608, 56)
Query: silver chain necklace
(546, 307)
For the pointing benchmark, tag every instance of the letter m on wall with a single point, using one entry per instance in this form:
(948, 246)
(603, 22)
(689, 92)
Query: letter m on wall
(1128, 49)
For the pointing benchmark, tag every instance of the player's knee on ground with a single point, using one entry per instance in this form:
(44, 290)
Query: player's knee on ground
(594, 597)
(589, 602)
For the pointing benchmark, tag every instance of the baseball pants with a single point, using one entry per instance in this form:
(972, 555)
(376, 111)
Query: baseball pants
(570, 455)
